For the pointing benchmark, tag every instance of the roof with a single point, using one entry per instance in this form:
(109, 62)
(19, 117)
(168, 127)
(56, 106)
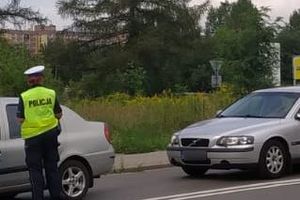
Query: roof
(9, 99)
(295, 89)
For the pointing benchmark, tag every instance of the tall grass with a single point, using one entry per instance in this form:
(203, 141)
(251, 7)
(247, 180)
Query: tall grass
(144, 124)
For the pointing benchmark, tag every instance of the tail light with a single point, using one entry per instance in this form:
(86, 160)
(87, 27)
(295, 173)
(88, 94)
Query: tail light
(106, 133)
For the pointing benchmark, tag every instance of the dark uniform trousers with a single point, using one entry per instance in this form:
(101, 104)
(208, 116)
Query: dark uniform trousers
(42, 152)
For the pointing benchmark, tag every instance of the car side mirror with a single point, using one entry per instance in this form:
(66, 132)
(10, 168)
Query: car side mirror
(297, 116)
(219, 112)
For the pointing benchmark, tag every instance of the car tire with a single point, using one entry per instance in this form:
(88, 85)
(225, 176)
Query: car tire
(75, 179)
(274, 160)
(194, 171)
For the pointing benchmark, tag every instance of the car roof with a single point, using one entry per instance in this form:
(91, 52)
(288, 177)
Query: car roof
(9, 99)
(292, 89)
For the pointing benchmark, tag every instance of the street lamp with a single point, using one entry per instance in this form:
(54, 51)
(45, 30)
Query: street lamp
(216, 79)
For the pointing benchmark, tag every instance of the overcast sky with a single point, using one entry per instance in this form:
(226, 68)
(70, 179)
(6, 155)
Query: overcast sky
(282, 8)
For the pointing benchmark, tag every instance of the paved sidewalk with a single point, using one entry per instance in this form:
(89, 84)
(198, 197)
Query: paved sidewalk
(138, 162)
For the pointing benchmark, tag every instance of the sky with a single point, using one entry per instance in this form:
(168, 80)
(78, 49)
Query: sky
(282, 8)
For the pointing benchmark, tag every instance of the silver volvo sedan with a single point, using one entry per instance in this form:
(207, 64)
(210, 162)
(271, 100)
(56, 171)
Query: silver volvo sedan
(85, 153)
(259, 131)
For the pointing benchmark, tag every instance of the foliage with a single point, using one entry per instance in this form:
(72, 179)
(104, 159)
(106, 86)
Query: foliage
(14, 60)
(144, 124)
(133, 79)
(243, 40)
(16, 15)
(65, 59)
(290, 46)
(161, 37)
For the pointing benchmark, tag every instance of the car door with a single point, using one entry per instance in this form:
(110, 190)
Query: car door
(292, 130)
(13, 170)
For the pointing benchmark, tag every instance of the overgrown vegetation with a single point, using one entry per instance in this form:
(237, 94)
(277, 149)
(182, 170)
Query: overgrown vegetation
(131, 51)
(144, 124)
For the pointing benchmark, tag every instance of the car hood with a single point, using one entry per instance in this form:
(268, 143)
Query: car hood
(227, 126)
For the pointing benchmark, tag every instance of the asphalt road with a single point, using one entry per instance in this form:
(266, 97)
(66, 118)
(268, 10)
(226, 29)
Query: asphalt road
(172, 183)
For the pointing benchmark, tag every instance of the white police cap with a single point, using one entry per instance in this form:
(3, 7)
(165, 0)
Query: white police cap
(34, 70)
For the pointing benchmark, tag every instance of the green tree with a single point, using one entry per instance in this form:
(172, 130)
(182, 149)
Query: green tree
(14, 60)
(13, 13)
(66, 59)
(217, 17)
(290, 46)
(159, 36)
(243, 40)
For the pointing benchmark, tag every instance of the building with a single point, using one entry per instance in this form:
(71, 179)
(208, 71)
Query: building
(39, 36)
(35, 40)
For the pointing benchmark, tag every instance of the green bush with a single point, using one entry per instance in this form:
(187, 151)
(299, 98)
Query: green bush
(143, 124)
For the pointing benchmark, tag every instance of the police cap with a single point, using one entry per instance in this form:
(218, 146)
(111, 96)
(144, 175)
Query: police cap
(37, 70)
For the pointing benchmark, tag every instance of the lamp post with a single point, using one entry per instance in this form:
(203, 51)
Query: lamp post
(216, 79)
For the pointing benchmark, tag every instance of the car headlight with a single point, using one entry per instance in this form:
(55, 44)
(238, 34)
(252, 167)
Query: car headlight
(235, 140)
(175, 140)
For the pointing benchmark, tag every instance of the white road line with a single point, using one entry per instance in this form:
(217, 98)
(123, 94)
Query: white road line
(235, 191)
(227, 190)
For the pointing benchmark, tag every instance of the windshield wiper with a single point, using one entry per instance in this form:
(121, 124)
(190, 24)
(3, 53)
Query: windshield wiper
(244, 116)
(253, 116)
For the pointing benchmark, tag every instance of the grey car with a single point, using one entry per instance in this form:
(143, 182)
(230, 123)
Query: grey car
(85, 153)
(259, 131)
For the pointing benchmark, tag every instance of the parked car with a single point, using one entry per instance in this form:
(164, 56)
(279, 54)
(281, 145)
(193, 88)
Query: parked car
(85, 153)
(259, 131)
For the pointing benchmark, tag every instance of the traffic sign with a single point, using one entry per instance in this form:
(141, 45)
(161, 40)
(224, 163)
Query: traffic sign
(296, 67)
(216, 81)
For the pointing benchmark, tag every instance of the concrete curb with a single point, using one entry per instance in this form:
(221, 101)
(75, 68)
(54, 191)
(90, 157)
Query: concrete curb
(140, 162)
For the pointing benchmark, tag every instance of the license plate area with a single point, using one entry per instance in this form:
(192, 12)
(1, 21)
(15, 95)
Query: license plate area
(194, 155)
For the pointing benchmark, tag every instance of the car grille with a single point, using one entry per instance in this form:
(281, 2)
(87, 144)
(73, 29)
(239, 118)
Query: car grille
(194, 142)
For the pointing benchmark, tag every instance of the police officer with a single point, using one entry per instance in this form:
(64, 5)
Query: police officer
(39, 113)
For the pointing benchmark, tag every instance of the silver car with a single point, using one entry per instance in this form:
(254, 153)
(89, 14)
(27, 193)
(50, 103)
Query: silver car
(85, 152)
(259, 131)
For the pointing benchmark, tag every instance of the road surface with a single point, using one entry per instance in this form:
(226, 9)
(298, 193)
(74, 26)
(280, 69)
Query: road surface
(172, 183)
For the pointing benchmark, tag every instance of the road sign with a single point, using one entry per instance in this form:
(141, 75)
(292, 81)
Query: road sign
(296, 67)
(216, 81)
(216, 65)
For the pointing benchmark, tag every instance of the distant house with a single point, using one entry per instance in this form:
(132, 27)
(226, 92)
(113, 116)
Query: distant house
(37, 38)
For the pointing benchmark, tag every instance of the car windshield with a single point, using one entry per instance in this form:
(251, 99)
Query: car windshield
(262, 105)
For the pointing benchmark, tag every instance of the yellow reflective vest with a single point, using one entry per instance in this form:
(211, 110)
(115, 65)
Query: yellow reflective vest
(38, 111)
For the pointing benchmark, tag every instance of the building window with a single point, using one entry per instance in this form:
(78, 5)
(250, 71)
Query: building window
(26, 37)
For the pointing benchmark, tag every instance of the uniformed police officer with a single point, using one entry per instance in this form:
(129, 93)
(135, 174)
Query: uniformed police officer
(39, 112)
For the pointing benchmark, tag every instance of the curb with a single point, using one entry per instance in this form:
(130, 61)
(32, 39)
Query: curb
(140, 162)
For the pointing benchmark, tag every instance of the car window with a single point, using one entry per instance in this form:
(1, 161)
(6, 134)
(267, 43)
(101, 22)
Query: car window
(14, 126)
(264, 105)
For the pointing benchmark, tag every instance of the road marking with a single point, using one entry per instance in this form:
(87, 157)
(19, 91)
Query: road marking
(228, 190)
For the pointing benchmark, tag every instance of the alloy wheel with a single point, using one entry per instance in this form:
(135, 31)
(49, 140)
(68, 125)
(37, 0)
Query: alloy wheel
(73, 181)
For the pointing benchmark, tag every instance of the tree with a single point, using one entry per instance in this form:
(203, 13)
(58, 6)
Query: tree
(290, 46)
(16, 15)
(14, 60)
(217, 17)
(243, 40)
(66, 59)
(103, 20)
(158, 36)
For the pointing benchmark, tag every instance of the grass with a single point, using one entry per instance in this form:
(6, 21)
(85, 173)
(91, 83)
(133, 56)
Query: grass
(144, 124)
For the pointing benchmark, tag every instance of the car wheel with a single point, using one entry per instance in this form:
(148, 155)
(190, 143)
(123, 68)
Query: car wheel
(273, 161)
(75, 180)
(194, 170)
